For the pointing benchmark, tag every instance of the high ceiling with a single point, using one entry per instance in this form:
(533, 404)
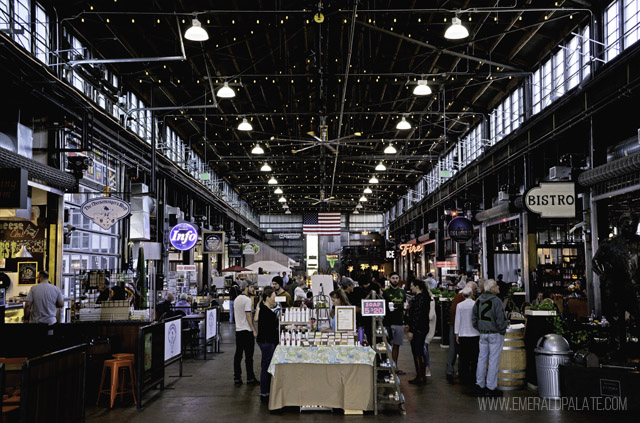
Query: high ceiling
(289, 75)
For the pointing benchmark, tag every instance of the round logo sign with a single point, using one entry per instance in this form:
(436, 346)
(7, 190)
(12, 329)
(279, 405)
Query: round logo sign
(460, 229)
(183, 236)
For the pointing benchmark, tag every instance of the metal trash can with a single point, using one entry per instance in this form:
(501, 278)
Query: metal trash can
(552, 351)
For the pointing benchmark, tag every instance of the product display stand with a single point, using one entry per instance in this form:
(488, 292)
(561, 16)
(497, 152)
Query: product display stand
(385, 379)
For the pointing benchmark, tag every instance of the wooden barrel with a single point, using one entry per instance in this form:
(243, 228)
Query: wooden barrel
(513, 361)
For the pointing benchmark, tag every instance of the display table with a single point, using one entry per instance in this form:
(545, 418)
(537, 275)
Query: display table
(336, 377)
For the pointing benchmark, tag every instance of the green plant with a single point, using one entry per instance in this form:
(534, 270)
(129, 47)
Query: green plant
(515, 289)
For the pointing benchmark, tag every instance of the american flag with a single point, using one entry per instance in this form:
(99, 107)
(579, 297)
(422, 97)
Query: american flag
(321, 224)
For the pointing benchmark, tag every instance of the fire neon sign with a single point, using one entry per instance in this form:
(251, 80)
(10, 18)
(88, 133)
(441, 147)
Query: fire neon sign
(410, 248)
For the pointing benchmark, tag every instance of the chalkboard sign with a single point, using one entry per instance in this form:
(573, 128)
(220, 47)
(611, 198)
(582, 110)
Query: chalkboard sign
(373, 307)
(15, 234)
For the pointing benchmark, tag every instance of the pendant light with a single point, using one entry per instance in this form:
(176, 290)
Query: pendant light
(282, 200)
(422, 88)
(265, 167)
(196, 32)
(403, 124)
(245, 126)
(359, 206)
(278, 191)
(23, 253)
(381, 167)
(367, 190)
(287, 211)
(373, 180)
(456, 31)
(258, 150)
(285, 206)
(226, 91)
(356, 211)
(363, 199)
(272, 181)
(390, 149)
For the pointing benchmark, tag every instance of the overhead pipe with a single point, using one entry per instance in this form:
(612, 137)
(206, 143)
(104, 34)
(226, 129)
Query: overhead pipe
(37, 170)
(615, 168)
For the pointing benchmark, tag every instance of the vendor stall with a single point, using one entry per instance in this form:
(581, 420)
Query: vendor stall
(342, 377)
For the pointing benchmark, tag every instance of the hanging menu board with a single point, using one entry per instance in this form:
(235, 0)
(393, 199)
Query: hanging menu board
(15, 234)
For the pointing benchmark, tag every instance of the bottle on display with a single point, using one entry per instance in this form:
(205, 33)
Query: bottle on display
(288, 338)
(282, 338)
(298, 338)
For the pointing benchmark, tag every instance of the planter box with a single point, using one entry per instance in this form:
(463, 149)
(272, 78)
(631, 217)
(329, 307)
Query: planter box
(540, 313)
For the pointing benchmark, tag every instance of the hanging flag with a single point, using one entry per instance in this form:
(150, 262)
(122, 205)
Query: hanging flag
(324, 223)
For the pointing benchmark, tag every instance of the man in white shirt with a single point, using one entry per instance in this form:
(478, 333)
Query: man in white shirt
(245, 335)
(466, 336)
(43, 301)
(430, 281)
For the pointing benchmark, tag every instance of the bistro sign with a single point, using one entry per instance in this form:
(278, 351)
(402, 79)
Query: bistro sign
(552, 199)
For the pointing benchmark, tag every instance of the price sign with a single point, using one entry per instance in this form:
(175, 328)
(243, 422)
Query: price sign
(373, 308)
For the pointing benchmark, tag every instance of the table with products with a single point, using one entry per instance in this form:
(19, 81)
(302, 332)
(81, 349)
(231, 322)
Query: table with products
(335, 376)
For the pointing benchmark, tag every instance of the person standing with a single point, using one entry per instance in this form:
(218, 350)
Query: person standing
(277, 285)
(268, 328)
(433, 318)
(466, 336)
(285, 279)
(43, 301)
(234, 290)
(430, 281)
(245, 335)
(489, 319)
(394, 320)
(418, 327)
(453, 347)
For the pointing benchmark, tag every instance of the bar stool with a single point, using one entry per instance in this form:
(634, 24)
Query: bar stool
(130, 357)
(115, 367)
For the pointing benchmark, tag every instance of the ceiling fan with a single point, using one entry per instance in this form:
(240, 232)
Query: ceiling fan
(322, 141)
(323, 199)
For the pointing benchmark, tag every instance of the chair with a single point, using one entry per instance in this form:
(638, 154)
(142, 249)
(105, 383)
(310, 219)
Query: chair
(7, 404)
(117, 386)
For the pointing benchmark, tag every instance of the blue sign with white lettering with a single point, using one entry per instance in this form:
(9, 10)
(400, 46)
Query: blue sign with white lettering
(183, 236)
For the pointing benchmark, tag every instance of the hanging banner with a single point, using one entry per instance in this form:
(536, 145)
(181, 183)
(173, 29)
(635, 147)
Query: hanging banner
(234, 249)
(552, 199)
(213, 242)
(105, 211)
(250, 248)
(460, 229)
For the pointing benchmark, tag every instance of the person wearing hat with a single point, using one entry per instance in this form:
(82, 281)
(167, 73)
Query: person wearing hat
(276, 284)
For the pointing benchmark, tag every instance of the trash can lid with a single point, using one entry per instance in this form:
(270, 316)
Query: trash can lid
(552, 343)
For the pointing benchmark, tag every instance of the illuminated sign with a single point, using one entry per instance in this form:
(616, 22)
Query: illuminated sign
(410, 248)
(183, 236)
(391, 254)
(460, 229)
(332, 258)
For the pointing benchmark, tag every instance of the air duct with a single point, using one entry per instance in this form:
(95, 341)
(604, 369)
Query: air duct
(38, 171)
(615, 168)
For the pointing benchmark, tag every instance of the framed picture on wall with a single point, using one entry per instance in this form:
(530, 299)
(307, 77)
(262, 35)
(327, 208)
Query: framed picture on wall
(27, 272)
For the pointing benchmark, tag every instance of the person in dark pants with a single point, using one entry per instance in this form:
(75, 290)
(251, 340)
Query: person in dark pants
(418, 328)
(268, 327)
(245, 335)
(453, 346)
(467, 337)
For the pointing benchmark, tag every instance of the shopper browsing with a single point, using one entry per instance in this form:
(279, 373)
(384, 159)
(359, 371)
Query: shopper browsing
(418, 327)
(43, 301)
(245, 335)
(338, 298)
(489, 319)
(467, 336)
(268, 327)
(430, 281)
(394, 320)
(277, 285)
(183, 304)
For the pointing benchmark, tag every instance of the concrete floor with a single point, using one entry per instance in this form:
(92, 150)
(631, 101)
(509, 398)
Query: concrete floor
(206, 393)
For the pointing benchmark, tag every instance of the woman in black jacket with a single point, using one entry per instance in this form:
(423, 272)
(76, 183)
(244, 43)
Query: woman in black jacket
(268, 336)
(418, 328)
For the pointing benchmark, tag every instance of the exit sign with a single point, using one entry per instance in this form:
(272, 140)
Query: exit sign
(373, 307)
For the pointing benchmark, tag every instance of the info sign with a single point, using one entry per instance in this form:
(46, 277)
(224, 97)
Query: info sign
(183, 236)
(374, 307)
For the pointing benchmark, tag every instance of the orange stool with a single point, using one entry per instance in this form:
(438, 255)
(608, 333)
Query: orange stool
(115, 367)
(130, 357)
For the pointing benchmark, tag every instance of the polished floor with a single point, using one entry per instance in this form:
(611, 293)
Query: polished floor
(206, 393)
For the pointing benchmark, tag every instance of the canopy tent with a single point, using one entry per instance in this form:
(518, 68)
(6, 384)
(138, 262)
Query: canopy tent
(235, 269)
(269, 266)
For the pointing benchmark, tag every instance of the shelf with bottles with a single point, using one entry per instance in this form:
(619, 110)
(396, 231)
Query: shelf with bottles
(296, 316)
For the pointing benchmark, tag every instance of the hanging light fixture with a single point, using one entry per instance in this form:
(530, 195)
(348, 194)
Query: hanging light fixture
(356, 211)
(245, 126)
(359, 206)
(285, 206)
(265, 167)
(282, 200)
(272, 181)
(225, 91)
(196, 32)
(367, 190)
(456, 31)
(422, 88)
(23, 253)
(390, 149)
(287, 211)
(258, 150)
(403, 124)
(373, 180)
(278, 191)
(363, 199)
(381, 167)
